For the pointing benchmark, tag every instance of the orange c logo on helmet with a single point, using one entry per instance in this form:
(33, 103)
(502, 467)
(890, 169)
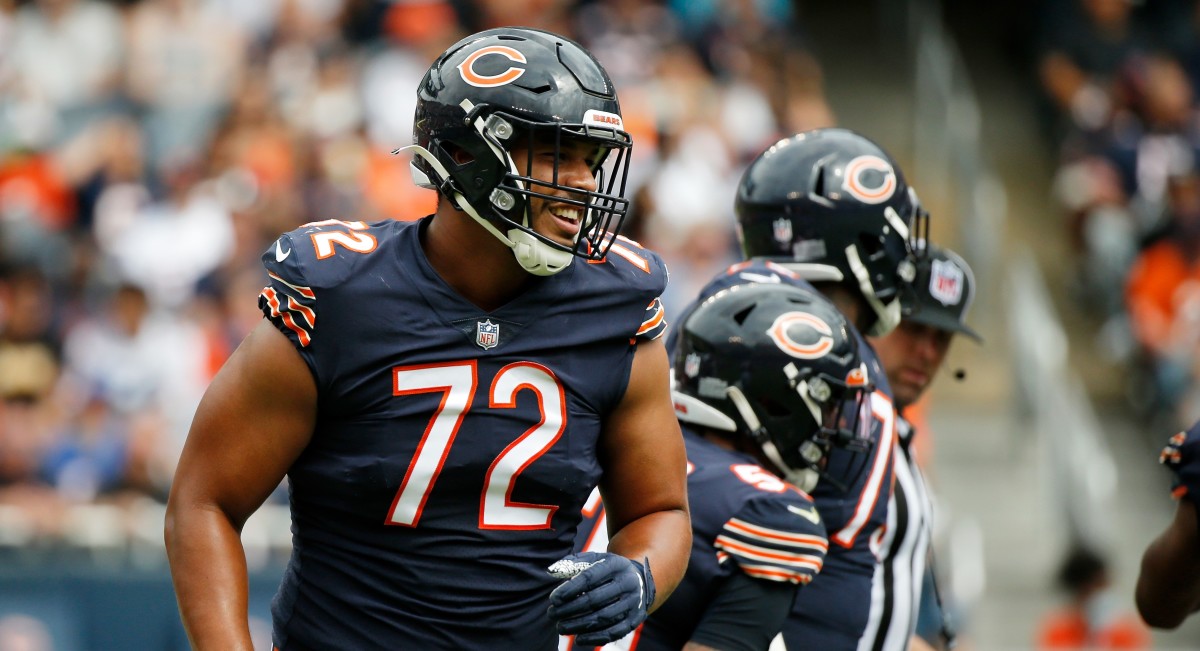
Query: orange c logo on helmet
(467, 67)
(853, 182)
(779, 334)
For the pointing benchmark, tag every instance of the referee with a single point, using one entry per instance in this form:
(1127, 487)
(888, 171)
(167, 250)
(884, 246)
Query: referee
(911, 355)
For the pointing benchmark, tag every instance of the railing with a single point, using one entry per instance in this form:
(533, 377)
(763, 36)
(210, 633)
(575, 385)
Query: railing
(949, 161)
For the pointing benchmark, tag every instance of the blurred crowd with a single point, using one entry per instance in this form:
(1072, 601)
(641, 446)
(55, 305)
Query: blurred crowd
(151, 150)
(1120, 81)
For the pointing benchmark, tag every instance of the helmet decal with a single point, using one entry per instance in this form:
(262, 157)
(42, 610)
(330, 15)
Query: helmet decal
(856, 185)
(779, 333)
(857, 377)
(782, 229)
(469, 75)
(603, 119)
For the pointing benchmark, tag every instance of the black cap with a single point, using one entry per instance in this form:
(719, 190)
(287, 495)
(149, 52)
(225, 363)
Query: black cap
(943, 292)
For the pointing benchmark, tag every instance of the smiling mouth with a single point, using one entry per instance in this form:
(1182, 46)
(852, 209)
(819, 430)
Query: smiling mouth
(568, 218)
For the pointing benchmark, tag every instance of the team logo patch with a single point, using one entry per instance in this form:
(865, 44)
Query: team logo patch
(946, 282)
(467, 68)
(487, 334)
(801, 335)
(782, 228)
(870, 179)
(691, 365)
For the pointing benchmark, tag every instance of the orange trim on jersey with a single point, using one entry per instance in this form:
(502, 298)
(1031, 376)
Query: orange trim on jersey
(1179, 492)
(304, 311)
(654, 321)
(774, 534)
(629, 255)
(776, 574)
(273, 302)
(306, 292)
(874, 485)
(761, 553)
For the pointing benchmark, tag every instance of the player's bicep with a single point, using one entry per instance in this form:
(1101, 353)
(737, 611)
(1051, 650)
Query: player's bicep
(254, 420)
(641, 447)
(1168, 587)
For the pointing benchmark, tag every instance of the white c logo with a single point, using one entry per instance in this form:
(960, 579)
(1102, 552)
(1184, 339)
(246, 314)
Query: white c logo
(467, 67)
(779, 334)
(853, 182)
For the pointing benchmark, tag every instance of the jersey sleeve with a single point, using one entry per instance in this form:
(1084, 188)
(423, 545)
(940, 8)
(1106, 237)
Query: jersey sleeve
(288, 301)
(643, 271)
(1182, 456)
(776, 537)
(655, 323)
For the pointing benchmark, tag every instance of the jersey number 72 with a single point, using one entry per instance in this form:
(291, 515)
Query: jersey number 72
(457, 382)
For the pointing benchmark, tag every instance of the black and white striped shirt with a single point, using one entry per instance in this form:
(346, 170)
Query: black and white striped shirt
(903, 550)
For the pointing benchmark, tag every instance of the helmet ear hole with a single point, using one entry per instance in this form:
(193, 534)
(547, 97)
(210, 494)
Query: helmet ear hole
(740, 316)
(459, 155)
(871, 245)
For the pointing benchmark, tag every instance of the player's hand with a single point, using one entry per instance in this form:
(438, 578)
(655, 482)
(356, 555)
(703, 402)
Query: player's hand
(1182, 456)
(604, 598)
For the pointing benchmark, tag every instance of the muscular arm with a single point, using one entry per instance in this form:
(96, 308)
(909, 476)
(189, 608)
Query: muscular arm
(645, 477)
(1168, 587)
(254, 420)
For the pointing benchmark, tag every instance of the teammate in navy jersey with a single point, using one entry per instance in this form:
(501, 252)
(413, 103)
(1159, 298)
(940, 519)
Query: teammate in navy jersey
(912, 355)
(829, 210)
(764, 376)
(1168, 587)
(443, 395)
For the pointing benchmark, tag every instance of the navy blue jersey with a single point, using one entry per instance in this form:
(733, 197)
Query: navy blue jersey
(744, 519)
(1182, 456)
(454, 448)
(832, 614)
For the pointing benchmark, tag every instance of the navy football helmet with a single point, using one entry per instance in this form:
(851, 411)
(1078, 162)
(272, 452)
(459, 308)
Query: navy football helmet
(832, 205)
(513, 85)
(778, 364)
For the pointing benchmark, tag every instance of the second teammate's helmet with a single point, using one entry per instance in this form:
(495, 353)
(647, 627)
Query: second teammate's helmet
(833, 206)
(508, 86)
(778, 364)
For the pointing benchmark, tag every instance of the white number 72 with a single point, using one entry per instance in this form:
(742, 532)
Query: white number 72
(456, 382)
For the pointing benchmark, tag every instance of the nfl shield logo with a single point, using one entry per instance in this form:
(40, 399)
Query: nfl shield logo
(783, 230)
(487, 334)
(691, 365)
(946, 282)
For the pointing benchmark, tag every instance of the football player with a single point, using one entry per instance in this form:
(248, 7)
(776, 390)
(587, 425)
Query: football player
(1168, 587)
(830, 210)
(444, 394)
(768, 379)
(912, 355)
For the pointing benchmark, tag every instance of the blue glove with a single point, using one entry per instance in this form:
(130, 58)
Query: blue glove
(605, 597)
(1182, 456)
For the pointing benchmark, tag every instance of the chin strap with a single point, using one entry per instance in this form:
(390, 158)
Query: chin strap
(804, 479)
(534, 255)
(887, 315)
